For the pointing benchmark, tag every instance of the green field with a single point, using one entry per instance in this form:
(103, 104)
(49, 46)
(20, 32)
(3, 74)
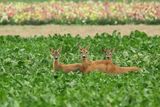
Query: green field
(27, 78)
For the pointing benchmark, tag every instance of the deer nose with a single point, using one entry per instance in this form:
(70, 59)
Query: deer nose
(56, 57)
(107, 57)
(83, 56)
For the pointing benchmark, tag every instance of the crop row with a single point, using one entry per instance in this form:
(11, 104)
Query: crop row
(88, 12)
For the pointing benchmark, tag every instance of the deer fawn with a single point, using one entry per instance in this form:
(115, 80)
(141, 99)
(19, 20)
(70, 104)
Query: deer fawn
(64, 67)
(102, 65)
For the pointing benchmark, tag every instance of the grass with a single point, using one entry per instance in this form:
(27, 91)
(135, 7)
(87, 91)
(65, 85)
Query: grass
(27, 78)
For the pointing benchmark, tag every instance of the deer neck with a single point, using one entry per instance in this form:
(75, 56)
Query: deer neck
(56, 64)
(85, 61)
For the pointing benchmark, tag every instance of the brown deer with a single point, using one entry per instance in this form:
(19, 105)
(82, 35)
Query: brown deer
(63, 67)
(102, 65)
(108, 53)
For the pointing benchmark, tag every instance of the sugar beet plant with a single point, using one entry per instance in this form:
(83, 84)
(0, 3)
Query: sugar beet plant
(27, 78)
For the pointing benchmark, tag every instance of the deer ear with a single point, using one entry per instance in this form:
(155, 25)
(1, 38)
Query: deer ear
(52, 50)
(60, 49)
(103, 49)
(80, 48)
(87, 47)
(112, 50)
(78, 45)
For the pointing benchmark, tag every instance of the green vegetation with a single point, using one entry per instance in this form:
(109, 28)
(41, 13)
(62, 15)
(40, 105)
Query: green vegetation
(27, 78)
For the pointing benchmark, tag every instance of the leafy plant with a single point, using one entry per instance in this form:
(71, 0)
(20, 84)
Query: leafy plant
(27, 78)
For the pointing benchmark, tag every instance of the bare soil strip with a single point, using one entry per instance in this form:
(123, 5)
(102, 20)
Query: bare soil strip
(82, 30)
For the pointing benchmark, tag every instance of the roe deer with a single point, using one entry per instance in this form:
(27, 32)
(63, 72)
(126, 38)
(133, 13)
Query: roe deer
(108, 53)
(87, 65)
(102, 65)
(63, 67)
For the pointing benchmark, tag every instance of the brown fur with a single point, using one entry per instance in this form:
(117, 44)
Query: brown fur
(102, 65)
(63, 67)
